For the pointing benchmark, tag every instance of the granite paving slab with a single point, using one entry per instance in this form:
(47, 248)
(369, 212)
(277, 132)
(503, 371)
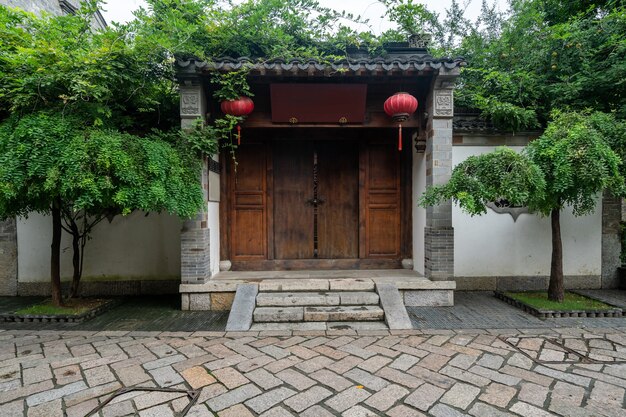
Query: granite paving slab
(430, 372)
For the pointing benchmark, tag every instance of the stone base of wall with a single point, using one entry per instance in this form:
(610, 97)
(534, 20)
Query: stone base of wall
(429, 298)
(195, 262)
(439, 253)
(525, 283)
(8, 257)
(203, 301)
(104, 288)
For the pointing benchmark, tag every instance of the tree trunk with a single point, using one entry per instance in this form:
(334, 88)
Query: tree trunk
(55, 256)
(556, 291)
(75, 261)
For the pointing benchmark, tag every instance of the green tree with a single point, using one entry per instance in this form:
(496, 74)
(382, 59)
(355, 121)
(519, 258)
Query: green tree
(88, 128)
(545, 56)
(570, 165)
(80, 175)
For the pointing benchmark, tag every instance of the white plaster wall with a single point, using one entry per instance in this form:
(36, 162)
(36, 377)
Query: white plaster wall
(494, 245)
(131, 247)
(213, 223)
(419, 213)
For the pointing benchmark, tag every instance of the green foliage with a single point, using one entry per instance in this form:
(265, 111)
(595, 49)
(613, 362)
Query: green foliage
(411, 17)
(262, 29)
(70, 308)
(258, 29)
(479, 180)
(571, 301)
(570, 164)
(577, 163)
(546, 55)
(203, 139)
(232, 85)
(45, 157)
(29, 153)
(59, 62)
(622, 229)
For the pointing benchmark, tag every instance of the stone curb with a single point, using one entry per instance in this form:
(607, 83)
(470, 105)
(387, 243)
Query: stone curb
(543, 314)
(60, 318)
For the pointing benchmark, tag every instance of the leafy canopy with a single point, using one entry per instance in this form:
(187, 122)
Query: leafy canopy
(48, 157)
(577, 163)
(570, 164)
(482, 179)
(545, 56)
(59, 62)
(88, 118)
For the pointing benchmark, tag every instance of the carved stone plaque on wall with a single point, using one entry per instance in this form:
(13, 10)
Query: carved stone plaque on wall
(190, 104)
(444, 103)
(503, 207)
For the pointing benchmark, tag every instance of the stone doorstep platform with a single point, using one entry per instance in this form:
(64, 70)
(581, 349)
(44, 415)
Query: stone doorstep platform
(415, 289)
(325, 280)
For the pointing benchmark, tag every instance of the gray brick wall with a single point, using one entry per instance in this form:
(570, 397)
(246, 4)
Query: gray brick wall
(439, 233)
(104, 288)
(195, 262)
(8, 257)
(439, 253)
(611, 245)
(52, 7)
(37, 6)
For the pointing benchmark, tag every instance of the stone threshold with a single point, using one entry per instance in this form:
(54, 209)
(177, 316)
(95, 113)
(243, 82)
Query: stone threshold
(320, 280)
(319, 273)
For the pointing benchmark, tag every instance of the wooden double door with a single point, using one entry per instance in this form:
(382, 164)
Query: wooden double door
(306, 204)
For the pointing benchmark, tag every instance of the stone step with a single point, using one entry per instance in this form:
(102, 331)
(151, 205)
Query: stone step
(292, 299)
(305, 284)
(343, 313)
(278, 314)
(321, 326)
(318, 313)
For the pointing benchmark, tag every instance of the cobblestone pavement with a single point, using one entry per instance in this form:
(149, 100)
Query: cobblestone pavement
(149, 313)
(472, 310)
(441, 373)
(481, 310)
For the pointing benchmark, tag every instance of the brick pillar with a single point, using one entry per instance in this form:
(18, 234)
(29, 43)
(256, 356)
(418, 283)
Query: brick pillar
(611, 245)
(195, 262)
(438, 233)
(8, 257)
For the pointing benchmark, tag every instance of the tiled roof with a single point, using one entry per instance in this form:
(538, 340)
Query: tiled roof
(396, 63)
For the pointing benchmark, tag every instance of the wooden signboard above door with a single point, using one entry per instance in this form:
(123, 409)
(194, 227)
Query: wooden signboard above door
(318, 103)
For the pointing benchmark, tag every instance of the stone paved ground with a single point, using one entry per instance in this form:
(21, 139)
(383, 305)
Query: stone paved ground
(441, 373)
(149, 313)
(481, 310)
(472, 310)
(499, 361)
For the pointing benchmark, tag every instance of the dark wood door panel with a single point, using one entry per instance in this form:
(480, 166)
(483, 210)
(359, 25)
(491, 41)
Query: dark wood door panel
(248, 242)
(293, 187)
(248, 226)
(380, 201)
(270, 219)
(338, 216)
(383, 242)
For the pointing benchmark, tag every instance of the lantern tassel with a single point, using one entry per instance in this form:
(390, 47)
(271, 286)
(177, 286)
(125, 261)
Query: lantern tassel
(400, 137)
(238, 135)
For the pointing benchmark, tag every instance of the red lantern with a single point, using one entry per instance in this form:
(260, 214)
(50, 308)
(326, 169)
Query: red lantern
(241, 107)
(400, 106)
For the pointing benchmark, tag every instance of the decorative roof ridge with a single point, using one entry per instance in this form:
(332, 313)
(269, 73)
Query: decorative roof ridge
(311, 66)
(403, 58)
